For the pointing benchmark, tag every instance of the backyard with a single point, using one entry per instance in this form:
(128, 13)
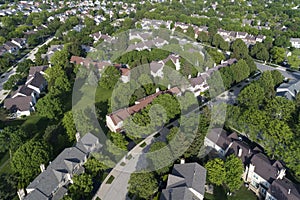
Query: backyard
(220, 194)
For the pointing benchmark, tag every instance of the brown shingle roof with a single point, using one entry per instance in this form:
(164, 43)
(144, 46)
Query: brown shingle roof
(122, 114)
(18, 103)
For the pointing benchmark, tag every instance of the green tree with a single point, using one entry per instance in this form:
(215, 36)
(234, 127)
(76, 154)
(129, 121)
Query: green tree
(251, 96)
(278, 54)
(267, 83)
(159, 161)
(216, 172)
(68, 123)
(119, 140)
(27, 159)
(109, 77)
(234, 169)
(276, 137)
(169, 103)
(280, 108)
(203, 37)
(11, 138)
(216, 55)
(82, 186)
(94, 167)
(260, 52)
(142, 184)
(240, 70)
(282, 41)
(57, 80)
(240, 49)
(277, 77)
(50, 106)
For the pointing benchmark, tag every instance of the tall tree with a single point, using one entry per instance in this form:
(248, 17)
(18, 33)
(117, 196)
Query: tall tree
(267, 83)
(109, 77)
(234, 169)
(240, 70)
(68, 123)
(50, 106)
(278, 54)
(143, 184)
(216, 172)
(240, 49)
(27, 159)
(82, 186)
(251, 96)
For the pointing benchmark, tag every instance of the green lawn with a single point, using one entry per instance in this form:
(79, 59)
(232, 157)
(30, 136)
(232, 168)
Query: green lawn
(244, 194)
(220, 194)
(35, 125)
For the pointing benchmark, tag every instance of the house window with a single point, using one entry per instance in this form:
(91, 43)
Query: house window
(256, 177)
(256, 185)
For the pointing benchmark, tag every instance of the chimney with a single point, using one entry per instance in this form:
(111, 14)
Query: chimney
(198, 74)
(289, 191)
(249, 151)
(169, 86)
(281, 173)
(77, 135)
(157, 90)
(190, 76)
(182, 161)
(21, 193)
(240, 152)
(42, 167)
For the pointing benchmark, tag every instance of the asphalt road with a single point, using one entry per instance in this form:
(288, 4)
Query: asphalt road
(282, 70)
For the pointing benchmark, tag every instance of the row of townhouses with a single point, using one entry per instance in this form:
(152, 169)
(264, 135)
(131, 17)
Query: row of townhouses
(265, 177)
(21, 102)
(228, 36)
(13, 46)
(53, 181)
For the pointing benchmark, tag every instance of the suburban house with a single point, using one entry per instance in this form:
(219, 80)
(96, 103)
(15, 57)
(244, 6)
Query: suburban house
(51, 50)
(156, 69)
(20, 42)
(283, 189)
(186, 182)
(265, 177)
(148, 24)
(295, 42)
(88, 62)
(53, 181)
(199, 84)
(21, 102)
(289, 90)
(10, 47)
(114, 121)
(139, 35)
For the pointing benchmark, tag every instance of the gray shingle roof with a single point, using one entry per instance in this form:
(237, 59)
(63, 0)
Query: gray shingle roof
(241, 150)
(36, 195)
(183, 177)
(265, 168)
(293, 87)
(38, 80)
(220, 137)
(284, 190)
(180, 193)
(48, 181)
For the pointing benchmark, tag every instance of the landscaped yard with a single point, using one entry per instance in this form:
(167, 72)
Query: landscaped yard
(220, 194)
(244, 194)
